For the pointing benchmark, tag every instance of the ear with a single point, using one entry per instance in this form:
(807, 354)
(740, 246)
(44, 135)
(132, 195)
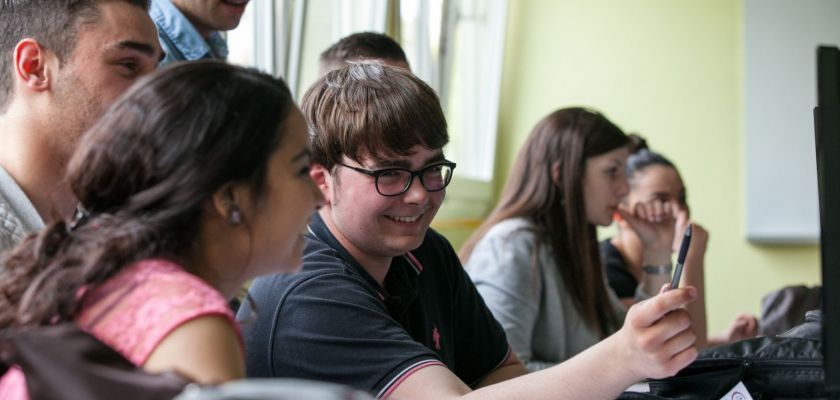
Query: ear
(322, 178)
(230, 201)
(31, 65)
(555, 172)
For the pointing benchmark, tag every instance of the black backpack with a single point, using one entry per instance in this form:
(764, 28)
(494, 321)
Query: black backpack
(788, 366)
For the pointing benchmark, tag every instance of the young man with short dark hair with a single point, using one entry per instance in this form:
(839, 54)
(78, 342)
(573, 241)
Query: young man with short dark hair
(63, 63)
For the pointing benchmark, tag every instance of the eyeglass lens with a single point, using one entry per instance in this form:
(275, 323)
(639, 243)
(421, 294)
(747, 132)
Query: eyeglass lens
(433, 178)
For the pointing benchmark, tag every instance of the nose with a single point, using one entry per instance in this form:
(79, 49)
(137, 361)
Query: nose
(622, 187)
(416, 193)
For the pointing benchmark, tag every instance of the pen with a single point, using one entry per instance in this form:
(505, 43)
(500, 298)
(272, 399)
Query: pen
(681, 258)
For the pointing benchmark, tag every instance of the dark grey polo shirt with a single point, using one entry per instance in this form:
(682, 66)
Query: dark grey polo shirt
(333, 322)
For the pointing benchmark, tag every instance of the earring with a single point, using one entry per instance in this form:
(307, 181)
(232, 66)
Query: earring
(234, 215)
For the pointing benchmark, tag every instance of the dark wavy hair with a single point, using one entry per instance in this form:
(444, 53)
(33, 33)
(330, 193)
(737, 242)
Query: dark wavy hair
(557, 211)
(142, 174)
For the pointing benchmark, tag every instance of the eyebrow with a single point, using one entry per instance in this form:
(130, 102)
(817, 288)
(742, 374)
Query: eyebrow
(144, 48)
(403, 163)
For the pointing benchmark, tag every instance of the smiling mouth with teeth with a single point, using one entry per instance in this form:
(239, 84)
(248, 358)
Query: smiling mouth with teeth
(405, 219)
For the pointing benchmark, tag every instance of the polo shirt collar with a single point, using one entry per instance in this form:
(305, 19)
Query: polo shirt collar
(400, 282)
(183, 35)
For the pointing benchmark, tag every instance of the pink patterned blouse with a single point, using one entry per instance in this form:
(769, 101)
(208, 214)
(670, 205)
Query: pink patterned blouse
(136, 309)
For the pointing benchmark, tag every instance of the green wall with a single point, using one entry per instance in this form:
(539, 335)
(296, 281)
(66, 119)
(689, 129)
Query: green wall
(670, 70)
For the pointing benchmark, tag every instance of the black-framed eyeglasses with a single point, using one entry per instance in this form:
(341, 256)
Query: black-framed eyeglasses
(396, 181)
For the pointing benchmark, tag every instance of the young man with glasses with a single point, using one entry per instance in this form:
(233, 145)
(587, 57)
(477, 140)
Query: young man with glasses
(382, 303)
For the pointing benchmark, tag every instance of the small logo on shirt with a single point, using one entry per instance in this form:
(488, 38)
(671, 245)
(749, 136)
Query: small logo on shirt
(436, 337)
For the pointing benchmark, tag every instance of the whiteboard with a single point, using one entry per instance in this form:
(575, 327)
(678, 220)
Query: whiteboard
(780, 41)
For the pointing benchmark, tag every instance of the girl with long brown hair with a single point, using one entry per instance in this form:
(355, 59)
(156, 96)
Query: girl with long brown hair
(535, 259)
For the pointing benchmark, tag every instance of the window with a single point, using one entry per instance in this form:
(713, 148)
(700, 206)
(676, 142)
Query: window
(326, 22)
(268, 38)
(457, 47)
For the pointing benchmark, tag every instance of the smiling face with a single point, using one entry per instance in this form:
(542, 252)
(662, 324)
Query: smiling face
(604, 185)
(208, 16)
(372, 226)
(279, 220)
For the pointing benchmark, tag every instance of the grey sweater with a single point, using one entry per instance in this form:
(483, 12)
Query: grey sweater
(530, 301)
